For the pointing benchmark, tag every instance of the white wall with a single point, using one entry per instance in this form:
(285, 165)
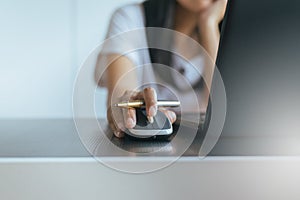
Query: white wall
(42, 44)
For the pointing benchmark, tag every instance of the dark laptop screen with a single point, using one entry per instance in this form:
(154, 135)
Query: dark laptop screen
(259, 60)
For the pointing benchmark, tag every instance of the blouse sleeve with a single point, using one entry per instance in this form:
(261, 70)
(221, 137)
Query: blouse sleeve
(121, 37)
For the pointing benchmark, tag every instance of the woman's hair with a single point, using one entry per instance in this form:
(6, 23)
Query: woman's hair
(161, 14)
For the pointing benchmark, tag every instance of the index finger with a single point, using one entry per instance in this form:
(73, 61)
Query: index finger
(150, 98)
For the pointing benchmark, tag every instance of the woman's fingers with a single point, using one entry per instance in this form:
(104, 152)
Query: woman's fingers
(129, 117)
(219, 8)
(117, 130)
(150, 98)
(169, 114)
(214, 13)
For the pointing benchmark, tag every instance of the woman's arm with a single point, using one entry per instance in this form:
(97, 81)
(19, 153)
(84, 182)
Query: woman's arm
(208, 22)
(120, 66)
(117, 86)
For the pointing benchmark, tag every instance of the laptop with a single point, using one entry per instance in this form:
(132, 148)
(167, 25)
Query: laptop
(259, 61)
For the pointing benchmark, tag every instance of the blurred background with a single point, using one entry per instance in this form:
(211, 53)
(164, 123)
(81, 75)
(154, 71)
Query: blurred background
(42, 45)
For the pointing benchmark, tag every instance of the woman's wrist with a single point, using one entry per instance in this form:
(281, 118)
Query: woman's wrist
(208, 24)
(209, 36)
(209, 29)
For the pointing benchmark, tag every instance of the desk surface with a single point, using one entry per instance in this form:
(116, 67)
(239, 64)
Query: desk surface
(59, 138)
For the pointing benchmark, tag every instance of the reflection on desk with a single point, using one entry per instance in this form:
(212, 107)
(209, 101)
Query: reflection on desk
(59, 138)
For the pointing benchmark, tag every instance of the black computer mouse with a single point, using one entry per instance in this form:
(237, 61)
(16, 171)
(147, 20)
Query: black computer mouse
(161, 125)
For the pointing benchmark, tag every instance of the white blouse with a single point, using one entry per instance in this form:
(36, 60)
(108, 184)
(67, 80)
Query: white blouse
(130, 18)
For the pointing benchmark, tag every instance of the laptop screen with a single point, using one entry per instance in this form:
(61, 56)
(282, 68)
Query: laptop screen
(259, 62)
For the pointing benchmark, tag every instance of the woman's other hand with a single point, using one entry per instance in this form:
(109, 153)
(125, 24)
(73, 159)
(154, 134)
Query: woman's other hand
(213, 14)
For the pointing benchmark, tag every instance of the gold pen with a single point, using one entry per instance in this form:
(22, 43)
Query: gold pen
(141, 104)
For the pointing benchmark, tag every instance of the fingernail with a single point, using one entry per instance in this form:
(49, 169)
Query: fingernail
(130, 123)
(172, 115)
(152, 111)
(150, 119)
(117, 133)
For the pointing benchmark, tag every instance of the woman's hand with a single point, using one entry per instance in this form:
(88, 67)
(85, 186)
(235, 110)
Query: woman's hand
(121, 118)
(209, 34)
(213, 14)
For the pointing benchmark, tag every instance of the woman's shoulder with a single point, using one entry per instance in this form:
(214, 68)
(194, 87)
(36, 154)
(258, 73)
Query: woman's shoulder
(128, 8)
(130, 12)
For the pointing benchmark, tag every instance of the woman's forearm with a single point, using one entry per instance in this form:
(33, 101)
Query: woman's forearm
(120, 77)
(209, 39)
